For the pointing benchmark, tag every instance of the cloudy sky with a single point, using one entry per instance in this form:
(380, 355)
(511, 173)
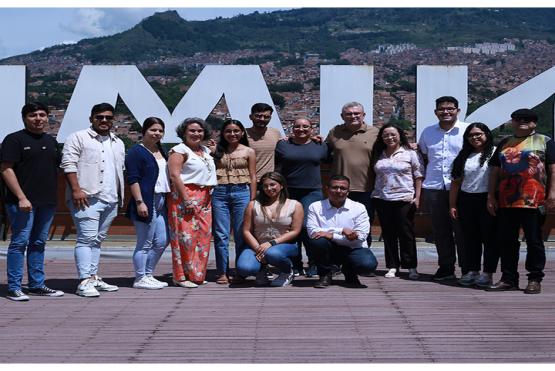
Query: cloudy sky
(23, 30)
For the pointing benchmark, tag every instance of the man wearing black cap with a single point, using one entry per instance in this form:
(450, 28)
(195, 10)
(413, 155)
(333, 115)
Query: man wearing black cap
(522, 169)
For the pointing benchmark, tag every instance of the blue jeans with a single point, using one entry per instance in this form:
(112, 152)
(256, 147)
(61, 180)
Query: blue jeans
(279, 256)
(29, 231)
(92, 226)
(305, 196)
(329, 256)
(152, 238)
(229, 202)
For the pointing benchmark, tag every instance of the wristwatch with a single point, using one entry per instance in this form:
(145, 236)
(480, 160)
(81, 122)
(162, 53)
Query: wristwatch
(138, 202)
(273, 242)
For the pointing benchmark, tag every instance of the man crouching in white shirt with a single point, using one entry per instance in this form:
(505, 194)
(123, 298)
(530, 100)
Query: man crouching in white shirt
(338, 228)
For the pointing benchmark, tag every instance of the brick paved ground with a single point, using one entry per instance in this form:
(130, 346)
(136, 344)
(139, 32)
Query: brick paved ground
(393, 320)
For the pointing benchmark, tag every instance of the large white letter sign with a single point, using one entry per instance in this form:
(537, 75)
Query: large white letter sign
(242, 86)
(12, 98)
(99, 84)
(527, 95)
(433, 82)
(343, 84)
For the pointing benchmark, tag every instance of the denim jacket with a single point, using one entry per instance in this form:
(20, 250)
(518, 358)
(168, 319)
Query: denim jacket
(82, 155)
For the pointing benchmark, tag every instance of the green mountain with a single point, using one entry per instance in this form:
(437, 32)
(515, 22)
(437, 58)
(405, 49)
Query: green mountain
(327, 31)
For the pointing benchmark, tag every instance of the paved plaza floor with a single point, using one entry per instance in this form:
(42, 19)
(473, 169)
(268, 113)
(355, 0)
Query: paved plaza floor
(393, 320)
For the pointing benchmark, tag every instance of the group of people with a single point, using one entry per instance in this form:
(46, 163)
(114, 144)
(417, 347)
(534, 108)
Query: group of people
(266, 191)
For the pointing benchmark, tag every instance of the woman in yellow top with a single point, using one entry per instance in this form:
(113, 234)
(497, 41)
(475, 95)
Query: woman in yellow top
(236, 174)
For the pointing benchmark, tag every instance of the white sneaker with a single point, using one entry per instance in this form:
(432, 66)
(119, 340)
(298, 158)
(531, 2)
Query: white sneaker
(86, 289)
(100, 285)
(162, 283)
(284, 279)
(17, 295)
(145, 283)
(391, 273)
(261, 278)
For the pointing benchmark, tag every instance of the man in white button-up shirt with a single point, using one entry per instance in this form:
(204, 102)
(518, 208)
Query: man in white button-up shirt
(93, 161)
(338, 228)
(439, 145)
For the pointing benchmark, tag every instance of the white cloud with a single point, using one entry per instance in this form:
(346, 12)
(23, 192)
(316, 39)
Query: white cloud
(94, 22)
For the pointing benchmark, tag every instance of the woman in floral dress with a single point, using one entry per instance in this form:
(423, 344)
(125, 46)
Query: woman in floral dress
(192, 174)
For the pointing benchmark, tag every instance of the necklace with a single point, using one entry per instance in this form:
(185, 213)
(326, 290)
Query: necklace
(203, 159)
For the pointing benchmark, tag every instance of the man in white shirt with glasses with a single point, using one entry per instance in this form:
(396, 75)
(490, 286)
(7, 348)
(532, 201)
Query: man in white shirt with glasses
(439, 144)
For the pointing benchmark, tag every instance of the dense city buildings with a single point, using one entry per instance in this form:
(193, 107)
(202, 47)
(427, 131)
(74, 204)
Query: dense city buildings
(293, 78)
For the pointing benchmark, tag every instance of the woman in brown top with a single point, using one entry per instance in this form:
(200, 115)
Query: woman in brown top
(236, 174)
(271, 224)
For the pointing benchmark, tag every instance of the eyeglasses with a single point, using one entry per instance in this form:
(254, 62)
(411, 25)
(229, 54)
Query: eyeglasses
(474, 135)
(339, 188)
(103, 117)
(446, 109)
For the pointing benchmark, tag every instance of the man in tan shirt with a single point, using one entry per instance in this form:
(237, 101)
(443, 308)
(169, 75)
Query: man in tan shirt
(262, 138)
(351, 145)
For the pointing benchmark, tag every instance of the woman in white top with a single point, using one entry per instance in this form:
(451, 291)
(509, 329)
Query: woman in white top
(271, 224)
(467, 202)
(148, 180)
(193, 174)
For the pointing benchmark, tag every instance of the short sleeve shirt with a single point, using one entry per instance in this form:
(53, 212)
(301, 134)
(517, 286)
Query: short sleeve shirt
(264, 148)
(441, 147)
(35, 159)
(300, 163)
(199, 170)
(476, 177)
(352, 152)
(395, 175)
(522, 162)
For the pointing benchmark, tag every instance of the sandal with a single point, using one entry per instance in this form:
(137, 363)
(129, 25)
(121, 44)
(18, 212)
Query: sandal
(222, 280)
(186, 284)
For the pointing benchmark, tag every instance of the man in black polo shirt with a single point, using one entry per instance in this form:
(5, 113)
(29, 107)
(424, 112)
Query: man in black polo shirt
(29, 165)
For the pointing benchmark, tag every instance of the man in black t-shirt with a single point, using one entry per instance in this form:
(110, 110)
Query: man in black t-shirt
(29, 161)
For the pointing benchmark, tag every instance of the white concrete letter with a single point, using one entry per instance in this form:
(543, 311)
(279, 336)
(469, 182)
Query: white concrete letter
(342, 84)
(12, 98)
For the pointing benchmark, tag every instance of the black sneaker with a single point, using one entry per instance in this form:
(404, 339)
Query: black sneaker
(444, 275)
(298, 272)
(354, 283)
(311, 271)
(17, 295)
(45, 291)
(323, 282)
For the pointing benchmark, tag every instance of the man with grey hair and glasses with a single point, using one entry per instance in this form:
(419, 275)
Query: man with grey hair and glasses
(351, 147)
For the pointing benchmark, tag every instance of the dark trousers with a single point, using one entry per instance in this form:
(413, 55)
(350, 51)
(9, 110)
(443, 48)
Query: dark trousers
(509, 222)
(397, 223)
(329, 256)
(365, 199)
(447, 232)
(305, 196)
(479, 228)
